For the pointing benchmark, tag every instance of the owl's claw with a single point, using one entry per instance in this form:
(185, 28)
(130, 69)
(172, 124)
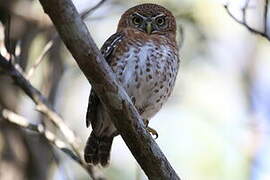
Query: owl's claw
(133, 99)
(152, 131)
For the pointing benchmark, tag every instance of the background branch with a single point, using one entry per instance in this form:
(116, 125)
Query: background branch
(265, 15)
(37, 62)
(180, 37)
(244, 21)
(48, 46)
(76, 37)
(43, 106)
(39, 128)
(50, 137)
(88, 11)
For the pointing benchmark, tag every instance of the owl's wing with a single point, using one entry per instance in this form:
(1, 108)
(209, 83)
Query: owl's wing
(106, 51)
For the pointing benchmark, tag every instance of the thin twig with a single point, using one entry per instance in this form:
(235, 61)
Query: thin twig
(252, 30)
(244, 12)
(265, 15)
(39, 128)
(43, 106)
(8, 26)
(92, 9)
(181, 37)
(49, 136)
(45, 50)
(48, 46)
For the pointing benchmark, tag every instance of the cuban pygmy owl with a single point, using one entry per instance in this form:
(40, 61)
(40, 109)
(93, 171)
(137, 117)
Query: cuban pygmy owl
(144, 57)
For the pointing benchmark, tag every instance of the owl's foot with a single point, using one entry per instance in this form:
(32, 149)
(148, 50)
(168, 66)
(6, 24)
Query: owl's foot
(152, 131)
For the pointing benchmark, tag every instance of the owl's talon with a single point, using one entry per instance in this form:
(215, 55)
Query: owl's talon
(152, 131)
(146, 122)
(133, 100)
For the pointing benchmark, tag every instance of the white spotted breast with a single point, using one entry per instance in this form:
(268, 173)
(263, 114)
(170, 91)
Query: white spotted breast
(147, 71)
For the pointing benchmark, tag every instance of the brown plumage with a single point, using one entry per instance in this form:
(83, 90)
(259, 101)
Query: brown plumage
(143, 54)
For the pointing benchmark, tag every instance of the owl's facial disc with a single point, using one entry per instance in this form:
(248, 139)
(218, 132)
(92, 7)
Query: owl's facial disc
(148, 24)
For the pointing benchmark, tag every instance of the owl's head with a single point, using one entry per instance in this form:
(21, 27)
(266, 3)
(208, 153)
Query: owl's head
(148, 18)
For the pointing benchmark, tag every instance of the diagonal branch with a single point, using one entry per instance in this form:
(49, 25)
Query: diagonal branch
(41, 102)
(87, 12)
(44, 52)
(48, 135)
(48, 46)
(265, 15)
(244, 23)
(43, 106)
(127, 120)
(181, 37)
(244, 11)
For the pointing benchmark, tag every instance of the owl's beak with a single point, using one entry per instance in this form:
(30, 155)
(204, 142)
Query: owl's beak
(149, 27)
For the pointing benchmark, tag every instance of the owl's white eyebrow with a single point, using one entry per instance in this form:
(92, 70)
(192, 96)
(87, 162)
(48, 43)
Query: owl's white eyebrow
(160, 15)
(143, 17)
(139, 15)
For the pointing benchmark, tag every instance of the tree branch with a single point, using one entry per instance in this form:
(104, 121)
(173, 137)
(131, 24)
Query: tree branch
(41, 102)
(37, 62)
(244, 11)
(181, 37)
(265, 15)
(87, 12)
(128, 122)
(49, 136)
(48, 46)
(43, 106)
(244, 23)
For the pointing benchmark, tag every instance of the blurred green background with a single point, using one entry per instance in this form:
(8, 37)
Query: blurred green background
(216, 124)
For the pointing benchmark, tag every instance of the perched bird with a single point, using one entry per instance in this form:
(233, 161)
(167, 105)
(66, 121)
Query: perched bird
(143, 54)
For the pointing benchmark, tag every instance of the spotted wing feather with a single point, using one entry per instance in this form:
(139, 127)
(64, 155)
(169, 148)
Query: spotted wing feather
(98, 146)
(94, 101)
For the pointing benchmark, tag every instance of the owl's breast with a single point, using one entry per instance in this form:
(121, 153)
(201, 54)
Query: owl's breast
(147, 72)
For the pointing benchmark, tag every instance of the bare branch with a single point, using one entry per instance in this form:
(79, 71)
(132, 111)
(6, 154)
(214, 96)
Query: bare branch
(87, 12)
(244, 22)
(265, 15)
(181, 37)
(244, 11)
(24, 123)
(50, 43)
(43, 106)
(127, 120)
(49, 136)
(45, 50)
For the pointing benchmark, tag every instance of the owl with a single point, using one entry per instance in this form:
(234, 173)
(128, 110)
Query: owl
(144, 57)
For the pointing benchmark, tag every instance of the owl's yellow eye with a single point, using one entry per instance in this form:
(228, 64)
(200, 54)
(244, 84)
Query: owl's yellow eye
(160, 21)
(137, 20)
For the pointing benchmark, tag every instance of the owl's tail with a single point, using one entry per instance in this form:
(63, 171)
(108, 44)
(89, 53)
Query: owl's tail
(97, 149)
